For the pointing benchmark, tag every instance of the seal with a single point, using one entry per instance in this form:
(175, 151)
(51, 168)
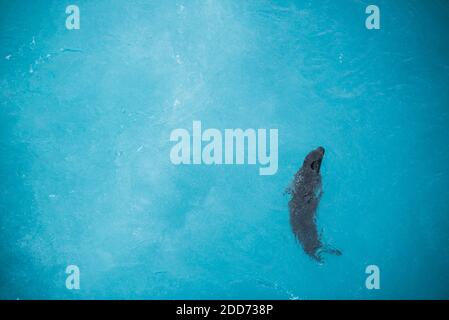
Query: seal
(306, 192)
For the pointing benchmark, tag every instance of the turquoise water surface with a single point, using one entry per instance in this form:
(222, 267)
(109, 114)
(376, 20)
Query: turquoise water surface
(85, 171)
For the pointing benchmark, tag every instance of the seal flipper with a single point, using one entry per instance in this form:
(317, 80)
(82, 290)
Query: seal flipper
(317, 257)
(331, 250)
(289, 190)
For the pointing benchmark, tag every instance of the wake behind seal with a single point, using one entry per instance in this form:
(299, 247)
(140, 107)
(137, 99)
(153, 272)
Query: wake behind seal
(305, 194)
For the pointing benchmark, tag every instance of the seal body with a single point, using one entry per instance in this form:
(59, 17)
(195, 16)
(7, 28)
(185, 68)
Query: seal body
(305, 196)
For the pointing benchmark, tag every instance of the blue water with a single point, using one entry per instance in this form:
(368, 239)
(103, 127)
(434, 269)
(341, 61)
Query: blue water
(85, 173)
